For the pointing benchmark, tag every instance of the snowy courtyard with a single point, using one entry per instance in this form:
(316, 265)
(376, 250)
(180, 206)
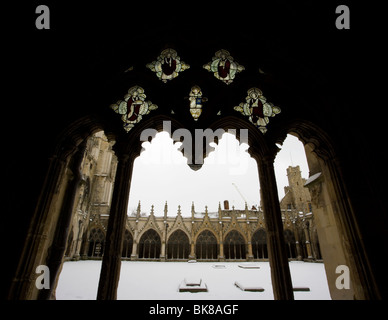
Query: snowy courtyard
(161, 280)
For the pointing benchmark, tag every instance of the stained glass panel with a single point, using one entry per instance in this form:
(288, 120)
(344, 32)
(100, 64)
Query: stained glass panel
(196, 102)
(133, 107)
(257, 109)
(168, 65)
(223, 66)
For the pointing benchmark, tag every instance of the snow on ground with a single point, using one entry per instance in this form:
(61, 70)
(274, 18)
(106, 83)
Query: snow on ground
(141, 280)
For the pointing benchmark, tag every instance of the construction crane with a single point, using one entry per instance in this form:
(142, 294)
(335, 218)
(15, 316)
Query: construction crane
(245, 200)
(238, 190)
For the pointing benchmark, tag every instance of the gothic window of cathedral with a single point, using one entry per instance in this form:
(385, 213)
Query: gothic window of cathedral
(178, 246)
(289, 239)
(96, 243)
(234, 246)
(127, 245)
(259, 244)
(206, 246)
(149, 245)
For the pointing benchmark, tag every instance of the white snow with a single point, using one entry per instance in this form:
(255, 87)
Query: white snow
(160, 280)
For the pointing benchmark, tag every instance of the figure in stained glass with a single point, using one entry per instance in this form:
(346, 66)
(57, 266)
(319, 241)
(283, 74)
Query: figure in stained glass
(223, 66)
(196, 101)
(133, 107)
(168, 65)
(257, 109)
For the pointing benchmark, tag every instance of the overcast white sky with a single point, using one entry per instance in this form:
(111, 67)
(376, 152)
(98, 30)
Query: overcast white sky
(161, 174)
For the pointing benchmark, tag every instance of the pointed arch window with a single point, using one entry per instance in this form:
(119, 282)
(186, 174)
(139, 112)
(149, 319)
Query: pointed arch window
(259, 244)
(234, 246)
(127, 245)
(178, 246)
(96, 243)
(206, 247)
(289, 239)
(150, 245)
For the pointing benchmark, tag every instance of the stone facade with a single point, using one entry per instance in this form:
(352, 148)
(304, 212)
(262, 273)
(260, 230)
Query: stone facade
(94, 196)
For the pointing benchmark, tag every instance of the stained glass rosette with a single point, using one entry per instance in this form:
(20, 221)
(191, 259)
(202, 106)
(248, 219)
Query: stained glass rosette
(257, 109)
(168, 65)
(223, 66)
(133, 107)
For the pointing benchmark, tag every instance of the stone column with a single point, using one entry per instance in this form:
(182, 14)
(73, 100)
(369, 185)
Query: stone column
(308, 245)
(134, 255)
(58, 247)
(297, 242)
(221, 257)
(280, 272)
(249, 235)
(111, 263)
(35, 247)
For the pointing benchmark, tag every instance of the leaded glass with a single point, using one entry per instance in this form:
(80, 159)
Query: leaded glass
(257, 109)
(223, 66)
(168, 65)
(133, 107)
(196, 101)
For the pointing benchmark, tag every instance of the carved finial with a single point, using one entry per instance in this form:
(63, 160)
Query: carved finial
(179, 210)
(138, 210)
(165, 210)
(192, 210)
(206, 213)
(152, 209)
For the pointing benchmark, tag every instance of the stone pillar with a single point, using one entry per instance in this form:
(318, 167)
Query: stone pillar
(308, 244)
(42, 223)
(297, 242)
(58, 247)
(134, 255)
(280, 272)
(249, 235)
(221, 257)
(111, 263)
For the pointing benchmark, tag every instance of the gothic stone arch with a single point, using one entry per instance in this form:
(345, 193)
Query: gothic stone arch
(338, 232)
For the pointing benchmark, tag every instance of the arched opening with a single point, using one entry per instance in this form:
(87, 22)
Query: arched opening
(178, 246)
(161, 174)
(96, 243)
(127, 245)
(206, 247)
(329, 202)
(234, 246)
(150, 245)
(290, 244)
(259, 244)
(325, 210)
